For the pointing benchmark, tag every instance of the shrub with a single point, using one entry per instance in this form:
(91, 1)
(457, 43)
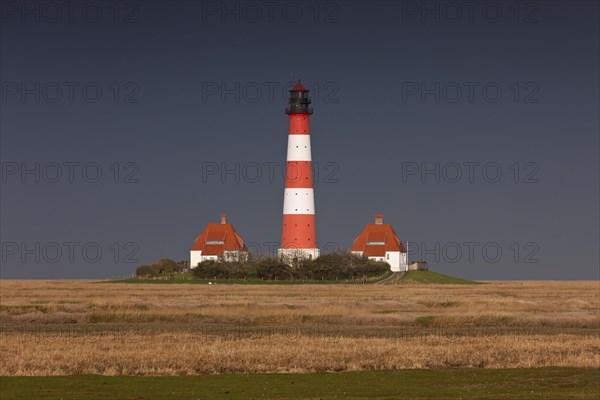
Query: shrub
(145, 270)
(211, 270)
(329, 266)
(273, 269)
(342, 266)
(166, 266)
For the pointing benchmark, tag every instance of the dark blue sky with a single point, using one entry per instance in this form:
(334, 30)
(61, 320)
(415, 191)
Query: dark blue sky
(418, 107)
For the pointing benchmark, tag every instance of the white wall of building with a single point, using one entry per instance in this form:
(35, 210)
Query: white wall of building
(230, 255)
(195, 258)
(396, 259)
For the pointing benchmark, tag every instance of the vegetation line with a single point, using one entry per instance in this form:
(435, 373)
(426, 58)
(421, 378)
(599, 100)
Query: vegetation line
(547, 383)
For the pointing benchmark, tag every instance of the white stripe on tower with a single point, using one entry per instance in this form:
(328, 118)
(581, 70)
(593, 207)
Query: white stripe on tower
(299, 201)
(299, 148)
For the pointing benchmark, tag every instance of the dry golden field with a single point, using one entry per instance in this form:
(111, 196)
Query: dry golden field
(83, 327)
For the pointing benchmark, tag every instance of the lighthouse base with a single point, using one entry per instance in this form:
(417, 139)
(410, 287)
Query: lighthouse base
(291, 256)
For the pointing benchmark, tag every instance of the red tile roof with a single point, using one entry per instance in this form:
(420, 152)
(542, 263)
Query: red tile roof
(376, 239)
(216, 235)
(373, 237)
(215, 239)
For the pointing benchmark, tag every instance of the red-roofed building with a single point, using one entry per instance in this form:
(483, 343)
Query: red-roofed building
(379, 242)
(218, 242)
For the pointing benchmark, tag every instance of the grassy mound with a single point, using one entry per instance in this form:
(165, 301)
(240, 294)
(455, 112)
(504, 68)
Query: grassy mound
(433, 277)
(226, 281)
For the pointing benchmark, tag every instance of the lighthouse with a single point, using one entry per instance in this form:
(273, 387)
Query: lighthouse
(298, 234)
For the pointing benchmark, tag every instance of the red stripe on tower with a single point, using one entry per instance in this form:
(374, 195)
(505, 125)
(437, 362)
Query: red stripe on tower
(298, 234)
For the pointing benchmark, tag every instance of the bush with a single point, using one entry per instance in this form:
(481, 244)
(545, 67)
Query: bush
(273, 269)
(145, 271)
(332, 266)
(166, 266)
(225, 270)
(342, 266)
(211, 270)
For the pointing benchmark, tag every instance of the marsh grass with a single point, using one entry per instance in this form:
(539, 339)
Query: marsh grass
(80, 327)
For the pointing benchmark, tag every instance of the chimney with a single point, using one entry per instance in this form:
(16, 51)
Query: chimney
(223, 218)
(379, 219)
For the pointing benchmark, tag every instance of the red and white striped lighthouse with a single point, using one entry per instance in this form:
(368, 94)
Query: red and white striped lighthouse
(298, 236)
